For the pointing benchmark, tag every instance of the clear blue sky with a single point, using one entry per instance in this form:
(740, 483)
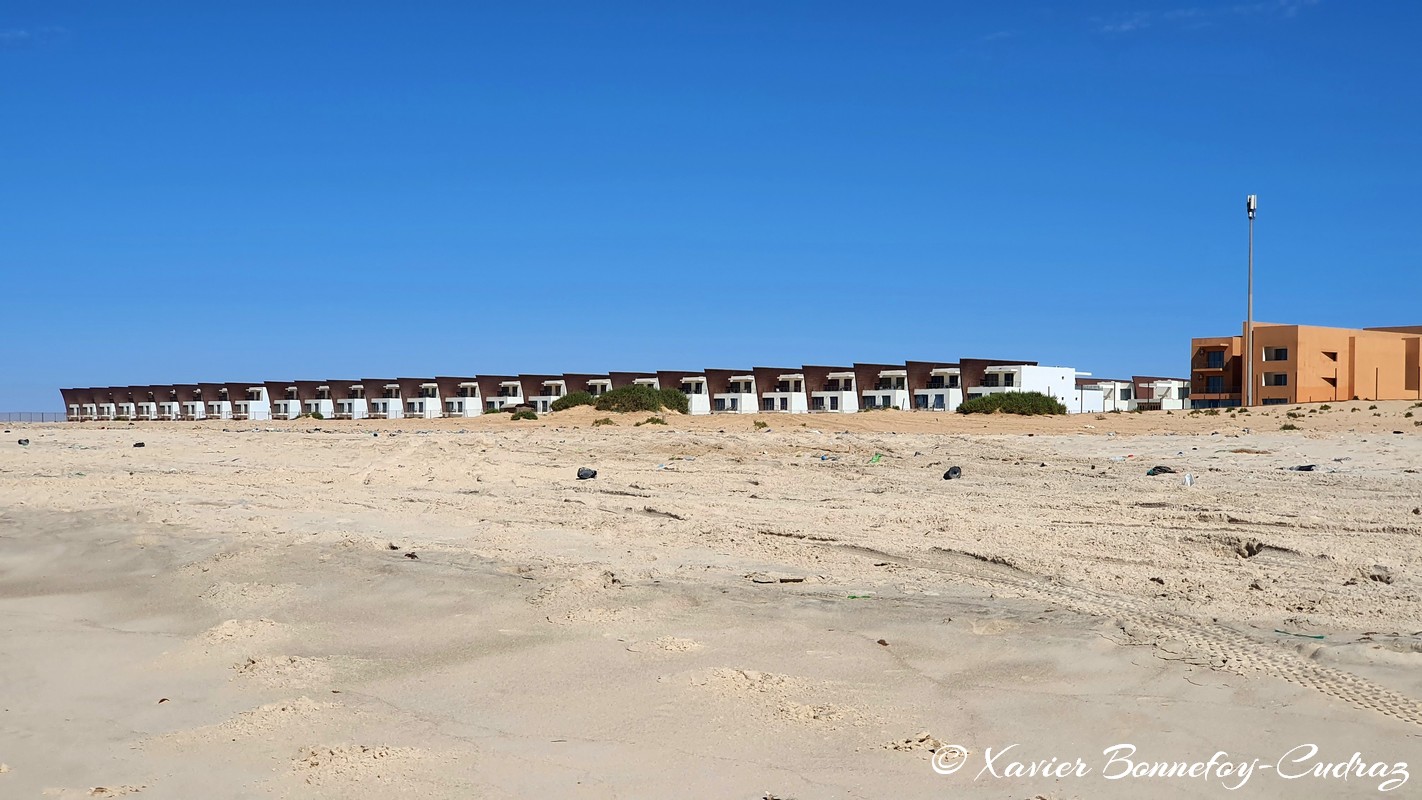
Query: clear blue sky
(206, 191)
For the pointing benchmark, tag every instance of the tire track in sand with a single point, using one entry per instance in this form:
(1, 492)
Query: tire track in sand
(1220, 646)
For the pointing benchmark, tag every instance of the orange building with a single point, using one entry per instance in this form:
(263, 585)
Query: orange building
(1308, 364)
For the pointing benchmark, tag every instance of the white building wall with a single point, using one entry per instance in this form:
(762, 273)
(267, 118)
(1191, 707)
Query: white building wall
(194, 409)
(352, 408)
(387, 407)
(844, 402)
(737, 402)
(463, 406)
(887, 398)
(795, 402)
(219, 409)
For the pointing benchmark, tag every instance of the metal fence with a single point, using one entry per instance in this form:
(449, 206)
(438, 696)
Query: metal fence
(32, 416)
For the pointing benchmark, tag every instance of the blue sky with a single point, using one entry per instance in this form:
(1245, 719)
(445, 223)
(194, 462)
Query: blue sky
(205, 191)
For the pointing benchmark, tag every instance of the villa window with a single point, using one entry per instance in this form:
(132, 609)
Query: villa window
(1214, 359)
(991, 380)
(784, 404)
(1008, 378)
(767, 404)
(920, 401)
(834, 403)
(1276, 379)
(797, 387)
(1276, 354)
(952, 381)
(1214, 384)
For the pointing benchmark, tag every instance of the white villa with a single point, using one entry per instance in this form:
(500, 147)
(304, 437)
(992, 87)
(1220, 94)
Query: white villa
(883, 385)
(249, 401)
(911, 386)
(832, 389)
(461, 397)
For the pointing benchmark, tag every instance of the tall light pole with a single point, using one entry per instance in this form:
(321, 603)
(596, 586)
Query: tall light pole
(1250, 204)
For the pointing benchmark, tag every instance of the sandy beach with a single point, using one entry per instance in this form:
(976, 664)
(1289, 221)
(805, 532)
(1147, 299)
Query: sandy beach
(805, 610)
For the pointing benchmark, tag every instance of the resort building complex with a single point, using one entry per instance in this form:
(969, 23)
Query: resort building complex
(1307, 364)
(845, 389)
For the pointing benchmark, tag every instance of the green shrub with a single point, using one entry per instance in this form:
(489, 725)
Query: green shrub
(603, 421)
(1408, 414)
(495, 410)
(571, 399)
(759, 425)
(651, 421)
(1324, 407)
(525, 414)
(1416, 405)
(637, 397)
(1012, 403)
(675, 400)
(1354, 410)
(1288, 426)
(1372, 408)
(1212, 412)
(317, 415)
(1293, 415)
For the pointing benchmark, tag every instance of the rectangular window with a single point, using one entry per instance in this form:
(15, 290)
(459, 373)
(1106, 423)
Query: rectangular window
(797, 386)
(784, 404)
(735, 404)
(920, 401)
(1276, 379)
(1214, 359)
(767, 404)
(952, 381)
(1275, 401)
(1276, 354)
(834, 404)
(720, 405)
(869, 401)
(990, 379)
(1008, 378)
(1214, 384)
(1126, 393)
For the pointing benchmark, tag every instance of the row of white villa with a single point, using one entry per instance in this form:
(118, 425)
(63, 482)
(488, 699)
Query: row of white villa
(913, 385)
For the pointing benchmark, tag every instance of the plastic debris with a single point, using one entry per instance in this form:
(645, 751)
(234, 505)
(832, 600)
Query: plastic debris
(876, 458)
(1189, 479)
(139, 444)
(24, 442)
(1160, 470)
(1300, 635)
(1302, 468)
(953, 473)
(584, 473)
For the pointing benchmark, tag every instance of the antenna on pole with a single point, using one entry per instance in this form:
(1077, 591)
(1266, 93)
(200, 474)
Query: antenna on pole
(1251, 203)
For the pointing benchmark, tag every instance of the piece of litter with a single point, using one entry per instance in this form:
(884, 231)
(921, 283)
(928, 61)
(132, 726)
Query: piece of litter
(953, 473)
(1300, 635)
(584, 473)
(876, 458)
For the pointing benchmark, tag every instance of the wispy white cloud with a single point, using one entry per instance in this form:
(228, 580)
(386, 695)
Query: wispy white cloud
(1196, 17)
(26, 37)
(997, 36)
